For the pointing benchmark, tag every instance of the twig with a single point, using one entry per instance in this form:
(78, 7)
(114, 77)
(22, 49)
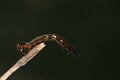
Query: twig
(21, 62)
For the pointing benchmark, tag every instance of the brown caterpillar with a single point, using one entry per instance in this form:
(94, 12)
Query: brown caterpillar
(24, 47)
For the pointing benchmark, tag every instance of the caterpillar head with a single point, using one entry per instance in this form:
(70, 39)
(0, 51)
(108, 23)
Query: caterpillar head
(22, 47)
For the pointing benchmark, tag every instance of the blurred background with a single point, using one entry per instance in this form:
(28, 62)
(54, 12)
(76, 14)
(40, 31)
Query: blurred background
(89, 25)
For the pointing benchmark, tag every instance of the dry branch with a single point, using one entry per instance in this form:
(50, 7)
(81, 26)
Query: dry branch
(22, 61)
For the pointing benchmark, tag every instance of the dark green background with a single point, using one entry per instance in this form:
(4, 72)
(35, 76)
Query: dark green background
(89, 25)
